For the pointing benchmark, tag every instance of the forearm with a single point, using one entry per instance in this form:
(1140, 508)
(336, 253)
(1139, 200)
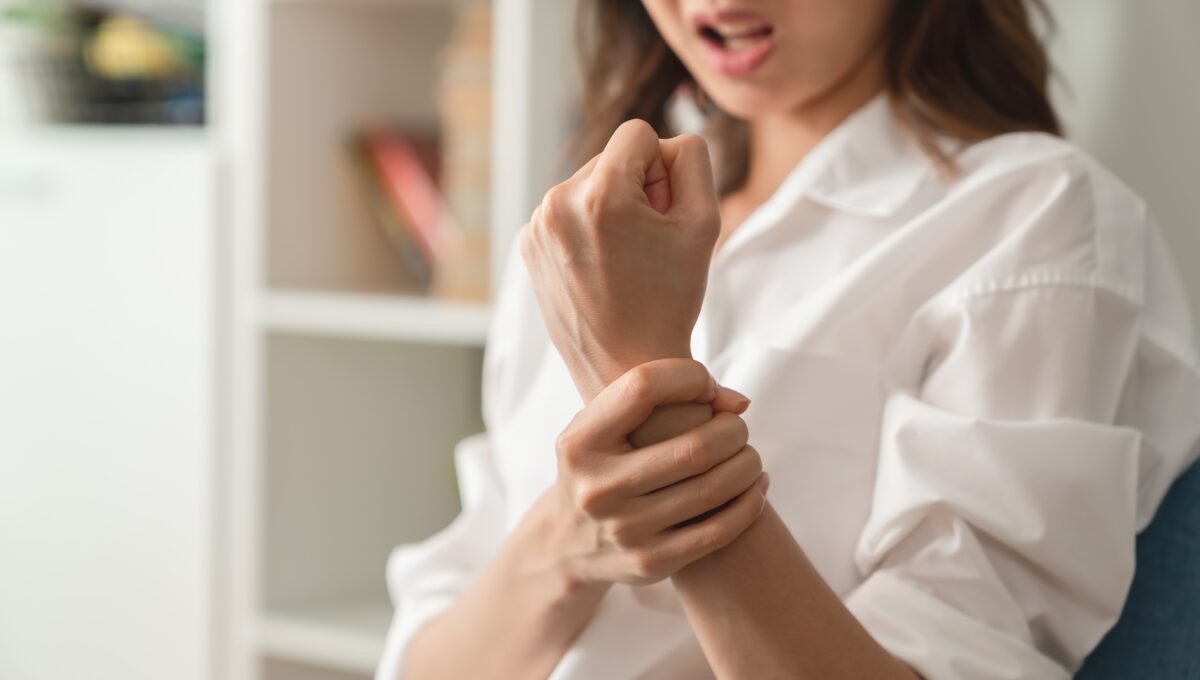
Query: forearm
(758, 606)
(515, 622)
(761, 610)
(520, 617)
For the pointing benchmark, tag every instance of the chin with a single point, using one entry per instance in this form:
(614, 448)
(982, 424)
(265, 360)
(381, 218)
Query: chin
(750, 100)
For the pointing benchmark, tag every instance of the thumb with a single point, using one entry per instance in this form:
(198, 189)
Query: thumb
(690, 175)
(658, 185)
(634, 153)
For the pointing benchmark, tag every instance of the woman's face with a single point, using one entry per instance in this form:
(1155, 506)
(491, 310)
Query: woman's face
(761, 57)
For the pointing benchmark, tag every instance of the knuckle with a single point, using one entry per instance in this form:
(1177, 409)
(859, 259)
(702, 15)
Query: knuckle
(595, 197)
(691, 453)
(755, 460)
(567, 446)
(712, 495)
(745, 467)
(620, 534)
(590, 498)
(555, 205)
(638, 383)
(555, 196)
(696, 370)
(635, 478)
(586, 499)
(647, 565)
(697, 376)
(740, 429)
(638, 126)
(733, 433)
(526, 240)
(713, 536)
(601, 203)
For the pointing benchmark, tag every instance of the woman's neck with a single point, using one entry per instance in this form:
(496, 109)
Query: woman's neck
(779, 141)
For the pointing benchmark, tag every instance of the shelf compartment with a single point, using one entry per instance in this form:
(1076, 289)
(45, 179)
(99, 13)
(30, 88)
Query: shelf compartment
(359, 439)
(337, 67)
(378, 317)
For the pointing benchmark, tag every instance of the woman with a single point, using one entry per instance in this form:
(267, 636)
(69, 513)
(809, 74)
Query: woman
(973, 370)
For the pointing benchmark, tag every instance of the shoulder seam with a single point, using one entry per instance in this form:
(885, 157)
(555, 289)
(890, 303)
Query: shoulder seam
(1188, 356)
(1046, 278)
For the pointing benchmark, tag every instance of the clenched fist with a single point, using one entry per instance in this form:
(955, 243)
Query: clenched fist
(619, 254)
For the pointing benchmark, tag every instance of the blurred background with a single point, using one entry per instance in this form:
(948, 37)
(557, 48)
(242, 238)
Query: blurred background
(246, 254)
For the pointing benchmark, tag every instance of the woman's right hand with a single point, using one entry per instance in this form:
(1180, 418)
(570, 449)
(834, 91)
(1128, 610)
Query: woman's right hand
(616, 514)
(636, 516)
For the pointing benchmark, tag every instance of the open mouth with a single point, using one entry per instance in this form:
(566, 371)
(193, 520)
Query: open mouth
(737, 41)
(735, 37)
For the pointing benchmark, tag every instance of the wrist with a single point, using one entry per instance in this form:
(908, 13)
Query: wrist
(594, 370)
(543, 548)
(757, 544)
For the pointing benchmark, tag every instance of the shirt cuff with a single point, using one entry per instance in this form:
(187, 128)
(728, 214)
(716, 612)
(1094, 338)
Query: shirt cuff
(939, 641)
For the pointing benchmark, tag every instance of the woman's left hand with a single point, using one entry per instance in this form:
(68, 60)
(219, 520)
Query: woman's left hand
(619, 254)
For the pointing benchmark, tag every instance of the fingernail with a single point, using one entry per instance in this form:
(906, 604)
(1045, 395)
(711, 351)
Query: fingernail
(763, 483)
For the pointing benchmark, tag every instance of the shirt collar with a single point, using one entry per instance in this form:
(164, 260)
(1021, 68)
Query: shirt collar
(869, 165)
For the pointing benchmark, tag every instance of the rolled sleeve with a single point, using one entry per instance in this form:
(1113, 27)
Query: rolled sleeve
(940, 641)
(997, 549)
(1001, 538)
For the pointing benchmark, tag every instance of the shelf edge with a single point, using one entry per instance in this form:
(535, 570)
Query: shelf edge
(375, 317)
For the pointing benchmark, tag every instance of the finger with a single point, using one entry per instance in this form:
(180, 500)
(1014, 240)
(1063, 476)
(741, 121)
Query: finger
(693, 497)
(626, 403)
(730, 400)
(666, 422)
(574, 180)
(677, 548)
(657, 186)
(690, 175)
(692, 453)
(633, 154)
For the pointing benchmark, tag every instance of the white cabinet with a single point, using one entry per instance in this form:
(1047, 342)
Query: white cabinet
(348, 391)
(107, 406)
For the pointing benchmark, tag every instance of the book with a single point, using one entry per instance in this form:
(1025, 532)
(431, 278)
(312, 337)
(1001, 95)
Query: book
(464, 102)
(400, 172)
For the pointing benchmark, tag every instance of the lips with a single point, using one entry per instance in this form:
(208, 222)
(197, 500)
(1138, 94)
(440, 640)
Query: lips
(736, 42)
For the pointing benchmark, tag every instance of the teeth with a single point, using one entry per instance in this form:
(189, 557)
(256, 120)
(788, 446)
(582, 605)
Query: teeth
(735, 31)
(735, 44)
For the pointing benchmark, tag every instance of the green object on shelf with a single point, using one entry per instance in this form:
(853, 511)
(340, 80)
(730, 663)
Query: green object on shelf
(63, 61)
(40, 14)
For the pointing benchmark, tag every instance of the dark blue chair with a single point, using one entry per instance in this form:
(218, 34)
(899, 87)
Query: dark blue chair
(1158, 634)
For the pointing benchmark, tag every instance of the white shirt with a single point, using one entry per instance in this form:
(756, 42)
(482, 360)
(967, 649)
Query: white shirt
(971, 393)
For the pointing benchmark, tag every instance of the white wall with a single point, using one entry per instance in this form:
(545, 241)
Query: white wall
(1131, 95)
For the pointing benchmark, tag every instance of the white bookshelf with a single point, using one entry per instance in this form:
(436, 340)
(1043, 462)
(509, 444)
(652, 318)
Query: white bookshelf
(347, 391)
(343, 636)
(376, 317)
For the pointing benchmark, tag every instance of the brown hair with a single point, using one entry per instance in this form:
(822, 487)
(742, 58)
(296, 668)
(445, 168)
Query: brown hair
(967, 69)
